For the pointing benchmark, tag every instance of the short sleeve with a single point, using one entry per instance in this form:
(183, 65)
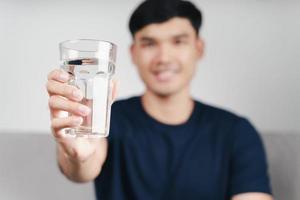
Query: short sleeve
(248, 166)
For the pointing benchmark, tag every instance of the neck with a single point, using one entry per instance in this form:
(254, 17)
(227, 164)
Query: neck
(173, 109)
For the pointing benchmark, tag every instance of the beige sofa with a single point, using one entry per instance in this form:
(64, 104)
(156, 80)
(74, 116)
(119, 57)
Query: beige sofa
(28, 168)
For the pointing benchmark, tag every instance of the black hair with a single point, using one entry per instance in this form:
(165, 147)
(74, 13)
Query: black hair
(158, 11)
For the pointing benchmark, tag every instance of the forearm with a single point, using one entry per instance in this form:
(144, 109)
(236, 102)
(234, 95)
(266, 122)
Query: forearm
(79, 171)
(253, 196)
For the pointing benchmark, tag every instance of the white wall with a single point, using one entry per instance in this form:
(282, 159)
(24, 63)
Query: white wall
(251, 64)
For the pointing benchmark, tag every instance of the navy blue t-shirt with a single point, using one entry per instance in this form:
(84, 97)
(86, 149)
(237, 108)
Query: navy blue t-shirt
(212, 156)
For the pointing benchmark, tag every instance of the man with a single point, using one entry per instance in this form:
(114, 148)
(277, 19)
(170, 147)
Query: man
(163, 144)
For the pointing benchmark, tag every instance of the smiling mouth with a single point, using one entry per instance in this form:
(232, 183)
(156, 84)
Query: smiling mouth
(165, 75)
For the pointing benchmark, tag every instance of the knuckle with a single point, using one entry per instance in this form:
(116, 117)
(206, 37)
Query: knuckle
(53, 124)
(55, 133)
(48, 85)
(56, 128)
(56, 124)
(52, 101)
(47, 88)
(53, 129)
(49, 76)
(67, 90)
(52, 74)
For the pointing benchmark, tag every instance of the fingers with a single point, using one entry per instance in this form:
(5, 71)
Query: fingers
(65, 97)
(56, 85)
(65, 90)
(59, 103)
(59, 75)
(68, 122)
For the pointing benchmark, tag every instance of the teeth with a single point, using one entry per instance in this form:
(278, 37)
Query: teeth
(165, 75)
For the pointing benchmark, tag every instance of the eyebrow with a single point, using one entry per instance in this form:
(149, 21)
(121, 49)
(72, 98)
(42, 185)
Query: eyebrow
(183, 35)
(149, 38)
(146, 39)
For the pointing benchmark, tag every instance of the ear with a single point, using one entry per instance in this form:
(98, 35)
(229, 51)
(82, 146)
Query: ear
(133, 53)
(200, 45)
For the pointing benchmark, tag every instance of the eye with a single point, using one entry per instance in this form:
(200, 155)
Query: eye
(179, 42)
(148, 44)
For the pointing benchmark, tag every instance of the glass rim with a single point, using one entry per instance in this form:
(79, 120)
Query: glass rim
(61, 44)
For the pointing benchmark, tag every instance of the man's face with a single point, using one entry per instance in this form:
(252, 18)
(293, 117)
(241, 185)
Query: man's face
(166, 55)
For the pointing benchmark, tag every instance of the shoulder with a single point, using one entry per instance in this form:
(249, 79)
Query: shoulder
(217, 111)
(125, 103)
(222, 120)
(124, 110)
(218, 116)
(242, 133)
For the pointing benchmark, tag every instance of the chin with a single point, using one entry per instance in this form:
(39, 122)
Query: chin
(164, 93)
(164, 89)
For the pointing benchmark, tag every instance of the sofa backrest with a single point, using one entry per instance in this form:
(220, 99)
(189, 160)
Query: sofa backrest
(29, 171)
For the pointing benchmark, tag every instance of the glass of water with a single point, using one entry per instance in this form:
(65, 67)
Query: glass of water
(91, 65)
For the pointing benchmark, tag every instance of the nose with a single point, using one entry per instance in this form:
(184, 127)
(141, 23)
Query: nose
(164, 54)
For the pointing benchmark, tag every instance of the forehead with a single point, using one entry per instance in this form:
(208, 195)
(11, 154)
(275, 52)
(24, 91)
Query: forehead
(171, 28)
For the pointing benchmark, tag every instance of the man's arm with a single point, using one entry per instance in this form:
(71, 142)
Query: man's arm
(252, 196)
(249, 169)
(80, 159)
(86, 170)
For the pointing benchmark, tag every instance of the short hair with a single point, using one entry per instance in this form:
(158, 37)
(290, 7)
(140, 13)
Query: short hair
(159, 11)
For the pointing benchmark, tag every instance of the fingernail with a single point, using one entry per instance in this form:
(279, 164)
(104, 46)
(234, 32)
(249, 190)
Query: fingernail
(77, 94)
(64, 76)
(84, 110)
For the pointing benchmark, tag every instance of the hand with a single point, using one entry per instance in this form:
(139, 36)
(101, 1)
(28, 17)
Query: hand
(64, 97)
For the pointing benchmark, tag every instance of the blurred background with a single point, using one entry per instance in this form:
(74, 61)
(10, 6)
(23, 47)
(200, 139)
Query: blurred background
(251, 64)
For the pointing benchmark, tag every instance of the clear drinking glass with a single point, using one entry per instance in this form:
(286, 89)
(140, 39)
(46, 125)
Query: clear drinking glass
(91, 65)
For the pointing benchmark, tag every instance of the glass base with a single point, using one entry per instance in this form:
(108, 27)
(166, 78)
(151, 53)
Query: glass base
(85, 132)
